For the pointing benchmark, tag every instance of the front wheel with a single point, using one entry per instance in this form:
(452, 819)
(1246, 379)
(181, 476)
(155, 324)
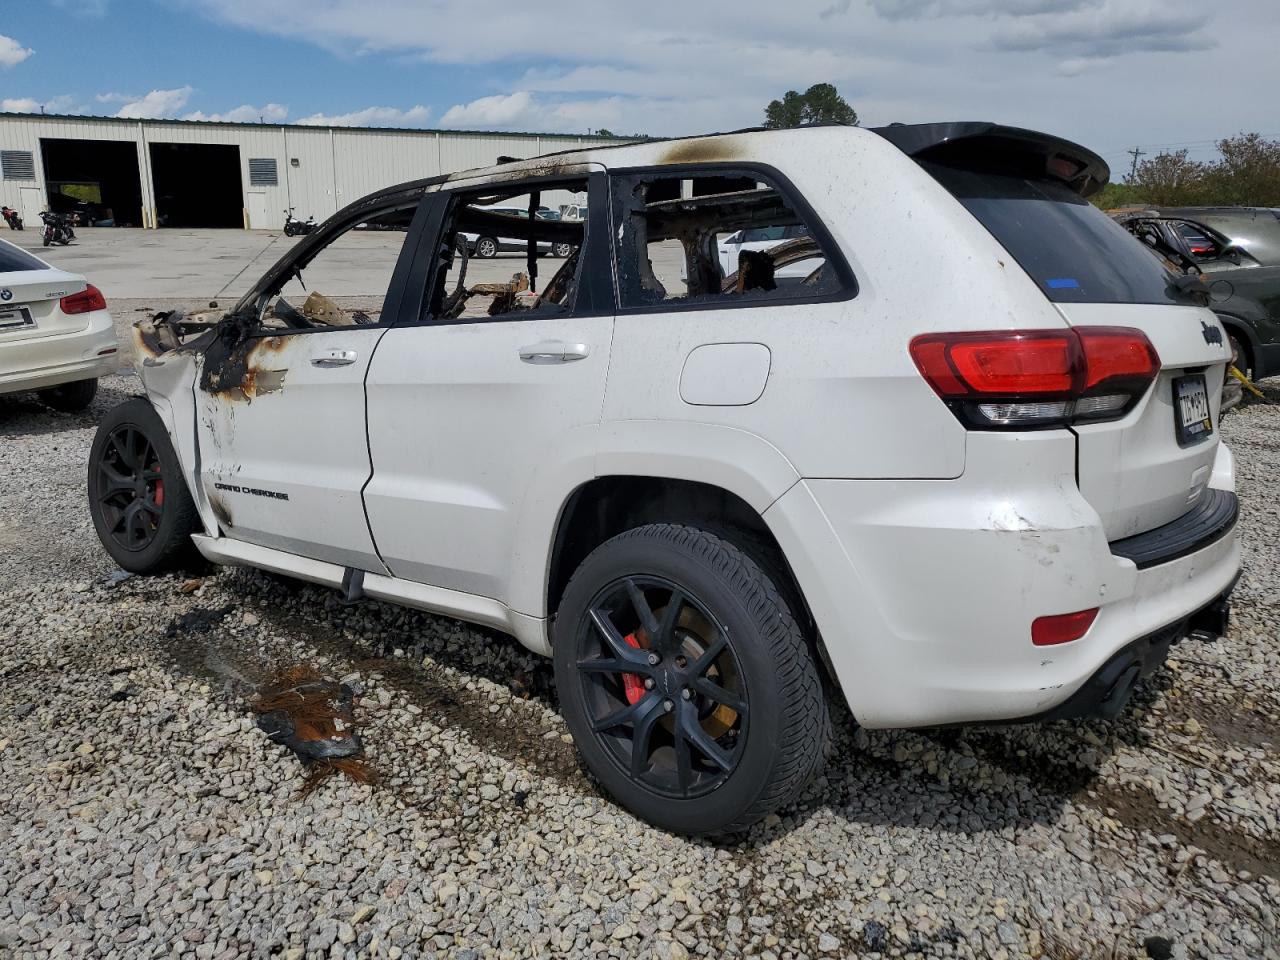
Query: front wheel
(686, 681)
(46, 238)
(70, 397)
(486, 248)
(138, 499)
(562, 250)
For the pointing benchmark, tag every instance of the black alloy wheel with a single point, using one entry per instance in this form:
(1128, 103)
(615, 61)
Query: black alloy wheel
(130, 488)
(663, 688)
(687, 682)
(138, 498)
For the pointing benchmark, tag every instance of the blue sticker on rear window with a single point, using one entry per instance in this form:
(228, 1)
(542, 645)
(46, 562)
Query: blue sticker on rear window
(1064, 283)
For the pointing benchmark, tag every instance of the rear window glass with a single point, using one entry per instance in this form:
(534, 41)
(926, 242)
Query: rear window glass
(1073, 251)
(14, 258)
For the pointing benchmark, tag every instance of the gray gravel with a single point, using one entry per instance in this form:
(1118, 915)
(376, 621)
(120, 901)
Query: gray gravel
(144, 814)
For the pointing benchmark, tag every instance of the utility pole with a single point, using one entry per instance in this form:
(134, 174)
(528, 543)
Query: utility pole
(1135, 153)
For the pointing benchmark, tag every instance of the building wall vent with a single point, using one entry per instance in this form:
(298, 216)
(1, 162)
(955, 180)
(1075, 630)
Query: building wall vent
(17, 165)
(262, 172)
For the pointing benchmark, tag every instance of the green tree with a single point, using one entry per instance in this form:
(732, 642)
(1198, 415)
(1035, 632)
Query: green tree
(1115, 195)
(1247, 175)
(1171, 180)
(821, 103)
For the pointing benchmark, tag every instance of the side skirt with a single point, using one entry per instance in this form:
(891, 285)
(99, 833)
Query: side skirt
(532, 632)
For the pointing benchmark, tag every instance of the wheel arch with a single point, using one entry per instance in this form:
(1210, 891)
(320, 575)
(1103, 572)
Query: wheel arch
(606, 506)
(1243, 331)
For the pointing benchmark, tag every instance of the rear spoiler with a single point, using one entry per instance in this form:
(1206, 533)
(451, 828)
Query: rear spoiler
(992, 148)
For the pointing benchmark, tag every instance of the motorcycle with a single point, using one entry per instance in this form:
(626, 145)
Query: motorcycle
(293, 227)
(57, 229)
(12, 218)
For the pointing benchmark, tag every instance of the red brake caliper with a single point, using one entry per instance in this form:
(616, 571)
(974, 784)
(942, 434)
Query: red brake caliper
(159, 486)
(632, 683)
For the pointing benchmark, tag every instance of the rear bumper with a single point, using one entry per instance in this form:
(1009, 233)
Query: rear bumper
(1209, 520)
(42, 362)
(925, 590)
(1106, 693)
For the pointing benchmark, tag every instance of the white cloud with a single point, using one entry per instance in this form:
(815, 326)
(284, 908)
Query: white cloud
(59, 104)
(157, 103)
(1093, 70)
(370, 117)
(245, 113)
(20, 105)
(12, 52)
(1103, 29)
(503, 110)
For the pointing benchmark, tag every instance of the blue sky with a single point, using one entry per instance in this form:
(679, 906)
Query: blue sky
(1110, 73)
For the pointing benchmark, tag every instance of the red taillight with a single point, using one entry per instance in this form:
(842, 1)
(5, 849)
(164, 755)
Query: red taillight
(1116, 355)
(1029, 378)
(87, 300)
(1063, 628)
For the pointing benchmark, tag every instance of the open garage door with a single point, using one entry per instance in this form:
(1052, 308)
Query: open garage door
(96, 179)
(197, 185)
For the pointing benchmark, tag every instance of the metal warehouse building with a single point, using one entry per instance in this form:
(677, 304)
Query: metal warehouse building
(172, 173)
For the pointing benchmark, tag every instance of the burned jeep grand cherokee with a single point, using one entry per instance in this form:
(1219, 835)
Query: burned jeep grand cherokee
(950, 447)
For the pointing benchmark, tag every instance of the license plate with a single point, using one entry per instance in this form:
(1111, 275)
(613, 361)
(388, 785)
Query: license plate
(1191, 413)
(14, 318)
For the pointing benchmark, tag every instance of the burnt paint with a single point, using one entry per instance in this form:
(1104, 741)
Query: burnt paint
(220, 509)
(702, 151)
(234, 361)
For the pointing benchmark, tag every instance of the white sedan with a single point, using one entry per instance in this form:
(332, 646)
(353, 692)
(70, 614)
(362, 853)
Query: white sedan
(56, 335)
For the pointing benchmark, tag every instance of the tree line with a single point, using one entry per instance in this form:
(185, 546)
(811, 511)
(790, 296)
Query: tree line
(1246, 174)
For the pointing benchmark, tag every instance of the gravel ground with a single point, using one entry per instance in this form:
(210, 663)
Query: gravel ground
(145, 815)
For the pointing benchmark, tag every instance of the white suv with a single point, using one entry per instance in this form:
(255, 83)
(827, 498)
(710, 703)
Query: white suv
(967, 469)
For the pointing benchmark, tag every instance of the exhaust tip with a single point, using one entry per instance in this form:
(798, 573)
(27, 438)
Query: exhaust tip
(1113, 701)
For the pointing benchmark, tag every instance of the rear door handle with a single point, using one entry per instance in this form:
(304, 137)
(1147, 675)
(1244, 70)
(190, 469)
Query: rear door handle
(334, 358)
(553, 351)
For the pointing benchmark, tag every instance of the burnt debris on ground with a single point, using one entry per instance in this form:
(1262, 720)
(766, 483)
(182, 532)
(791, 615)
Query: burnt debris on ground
(315, 718)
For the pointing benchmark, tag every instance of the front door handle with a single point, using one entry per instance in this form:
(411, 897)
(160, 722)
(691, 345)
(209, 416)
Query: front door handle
(553, 351)
(334, 358)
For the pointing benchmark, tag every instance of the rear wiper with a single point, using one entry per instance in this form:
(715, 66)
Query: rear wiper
(1192, 286)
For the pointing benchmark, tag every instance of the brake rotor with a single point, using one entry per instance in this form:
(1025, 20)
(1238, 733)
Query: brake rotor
(691, 628)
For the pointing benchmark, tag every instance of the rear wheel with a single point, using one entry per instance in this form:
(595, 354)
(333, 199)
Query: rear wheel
(138, 498)
(70, 397)
(486, 248)
(686, 681)
(562, 250)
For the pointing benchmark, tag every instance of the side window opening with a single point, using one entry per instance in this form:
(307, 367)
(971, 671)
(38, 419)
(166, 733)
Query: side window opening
(508, 251)
(714, 239)
(345, 283)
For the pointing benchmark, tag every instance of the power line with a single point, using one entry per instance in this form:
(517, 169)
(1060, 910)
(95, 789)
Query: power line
(1212, 142)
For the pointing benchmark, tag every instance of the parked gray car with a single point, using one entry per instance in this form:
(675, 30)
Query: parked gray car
(1237, 251)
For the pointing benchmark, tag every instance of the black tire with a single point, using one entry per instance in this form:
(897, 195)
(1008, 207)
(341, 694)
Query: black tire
(146, 521)
(46, 239)
(486, 248)
(70, 397)
(562, 250)
(770, 743)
